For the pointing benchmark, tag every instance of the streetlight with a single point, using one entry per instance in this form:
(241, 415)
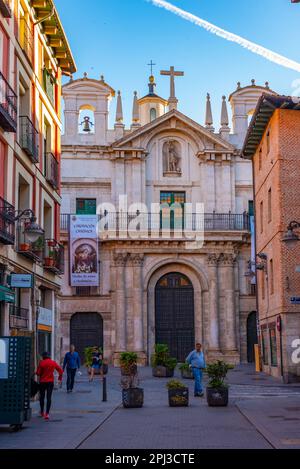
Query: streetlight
(290, 237)
(32, 230)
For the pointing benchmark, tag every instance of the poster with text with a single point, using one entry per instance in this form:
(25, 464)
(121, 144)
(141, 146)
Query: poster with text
(84, 265)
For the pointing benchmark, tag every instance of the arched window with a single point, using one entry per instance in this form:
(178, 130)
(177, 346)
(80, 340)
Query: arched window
(86, 121)
(153, 114)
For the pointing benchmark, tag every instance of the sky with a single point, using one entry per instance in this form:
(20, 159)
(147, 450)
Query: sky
(118, 38)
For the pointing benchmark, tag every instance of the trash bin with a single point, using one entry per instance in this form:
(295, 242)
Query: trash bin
(15, 355)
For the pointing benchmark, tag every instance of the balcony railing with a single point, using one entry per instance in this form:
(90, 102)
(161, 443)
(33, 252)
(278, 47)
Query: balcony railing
(154, 223)
(27, 39)
(34, 251)
(52, 170)
(29, 139)
(7, 224)
(5, 8)
(54, 256)
(8, 106)
(18, 317)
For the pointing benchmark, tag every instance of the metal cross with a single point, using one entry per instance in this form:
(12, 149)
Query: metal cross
(172, 74)
(151, 64)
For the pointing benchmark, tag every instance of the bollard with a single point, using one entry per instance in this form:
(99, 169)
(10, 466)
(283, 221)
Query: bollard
(104, 390)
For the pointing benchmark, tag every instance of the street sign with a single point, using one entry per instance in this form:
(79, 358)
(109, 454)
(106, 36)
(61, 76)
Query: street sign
(295, 300)
(21, 281)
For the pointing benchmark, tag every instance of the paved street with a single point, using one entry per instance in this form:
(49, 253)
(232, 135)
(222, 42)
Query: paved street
(263, 413)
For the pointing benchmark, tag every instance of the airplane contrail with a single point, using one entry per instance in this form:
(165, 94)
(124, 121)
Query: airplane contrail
(255, 48)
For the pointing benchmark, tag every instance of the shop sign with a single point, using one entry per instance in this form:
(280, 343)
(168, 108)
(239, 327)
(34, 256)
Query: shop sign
(21, 280)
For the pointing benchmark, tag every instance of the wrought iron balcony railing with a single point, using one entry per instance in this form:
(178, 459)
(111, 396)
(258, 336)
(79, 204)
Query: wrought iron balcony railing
(54, 256)
(29, 139)
(52, 170)
(7, 223)
(156, 223)
(18, 317)
(34, 251)
(5, 8)
(8, 106)
(27, 39)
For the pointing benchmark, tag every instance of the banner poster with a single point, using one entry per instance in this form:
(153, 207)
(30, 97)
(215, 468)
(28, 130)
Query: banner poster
(253, 254)
(84, 265)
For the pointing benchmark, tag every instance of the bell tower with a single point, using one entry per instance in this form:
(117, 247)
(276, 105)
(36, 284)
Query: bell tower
(86, 111)
(151, 106)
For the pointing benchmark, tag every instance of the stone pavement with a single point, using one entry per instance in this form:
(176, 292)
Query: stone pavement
(262, 414)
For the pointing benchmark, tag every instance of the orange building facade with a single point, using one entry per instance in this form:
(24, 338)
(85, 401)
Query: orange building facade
(34, 53)
(273, 143)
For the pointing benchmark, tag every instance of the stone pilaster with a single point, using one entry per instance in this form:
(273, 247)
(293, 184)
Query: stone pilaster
(137, 262)
(120, 262)
(227, 263)
(214, 320)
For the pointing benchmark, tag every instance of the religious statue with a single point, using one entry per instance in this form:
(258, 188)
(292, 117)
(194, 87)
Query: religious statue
(171, 157)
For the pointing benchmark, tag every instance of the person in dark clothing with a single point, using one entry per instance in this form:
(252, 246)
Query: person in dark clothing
(72, 363)
(45, 372)
(97, 359)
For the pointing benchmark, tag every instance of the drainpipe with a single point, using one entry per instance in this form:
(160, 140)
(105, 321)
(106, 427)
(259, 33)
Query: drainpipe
(47, 17)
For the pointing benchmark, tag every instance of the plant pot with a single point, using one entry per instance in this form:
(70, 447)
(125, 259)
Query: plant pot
(49, 262)
(187, 374)
(178, 397)
(162, 372)
(128, 371)
(133, 398)
(24, 247)
(51, 244)
(217, 397)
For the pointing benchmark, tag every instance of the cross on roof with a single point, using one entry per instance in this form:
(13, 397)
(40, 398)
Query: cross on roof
(172, 73)
(151, 64)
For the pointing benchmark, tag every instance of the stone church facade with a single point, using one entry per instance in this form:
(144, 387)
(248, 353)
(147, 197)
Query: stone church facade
(159, 287)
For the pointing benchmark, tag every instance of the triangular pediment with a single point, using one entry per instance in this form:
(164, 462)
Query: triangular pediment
(177, 121)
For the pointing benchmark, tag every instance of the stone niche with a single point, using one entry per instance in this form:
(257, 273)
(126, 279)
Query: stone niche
(172, 159)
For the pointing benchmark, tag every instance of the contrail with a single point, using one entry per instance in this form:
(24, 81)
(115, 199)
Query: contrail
(255, 48)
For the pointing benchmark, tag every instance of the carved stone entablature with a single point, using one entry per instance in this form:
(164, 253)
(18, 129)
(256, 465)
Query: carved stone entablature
(120, 259)
(213, 259)
(227, 260)
(136, 259)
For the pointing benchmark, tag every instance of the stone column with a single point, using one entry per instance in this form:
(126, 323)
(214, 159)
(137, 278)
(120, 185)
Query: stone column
(227, 262)
(214, 326)
(138, 260)
(120, 262)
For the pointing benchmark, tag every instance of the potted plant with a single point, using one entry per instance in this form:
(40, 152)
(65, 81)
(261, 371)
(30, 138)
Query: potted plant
(132, 394)
(38, 247)
(163, 365)
(24, 247)
(186, 372)
(178, 394)
(217, 391)
(50, 258)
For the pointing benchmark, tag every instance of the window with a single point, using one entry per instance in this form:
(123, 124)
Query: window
(271, 277)
(47, 143)
(172, 210)
(268, 142)
(153, 114)
(83, 291)
(86, 206)
(26, 37)
(264, 339)
(270, 205)
(273, 345)
(261, 217)
(263, 285)
(260, 159)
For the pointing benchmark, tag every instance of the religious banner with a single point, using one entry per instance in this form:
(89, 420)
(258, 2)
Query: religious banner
(84, 266)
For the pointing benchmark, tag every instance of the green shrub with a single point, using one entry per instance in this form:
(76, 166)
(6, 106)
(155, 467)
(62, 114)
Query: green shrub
(217, 373)
(161, 357)
(175, 384)
(128, 359)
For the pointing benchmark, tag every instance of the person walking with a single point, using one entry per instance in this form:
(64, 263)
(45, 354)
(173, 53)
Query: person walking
(72, 363)
(196, 360)
(45, 373)
(97, 359)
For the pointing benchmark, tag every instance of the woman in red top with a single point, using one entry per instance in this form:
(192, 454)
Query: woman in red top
(45, 372)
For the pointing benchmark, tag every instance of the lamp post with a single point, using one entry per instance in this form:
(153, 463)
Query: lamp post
(290, 237)
(32, 230)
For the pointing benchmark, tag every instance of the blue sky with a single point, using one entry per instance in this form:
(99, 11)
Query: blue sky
(118, 38)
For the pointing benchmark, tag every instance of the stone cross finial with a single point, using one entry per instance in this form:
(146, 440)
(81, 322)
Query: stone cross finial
(172, 73)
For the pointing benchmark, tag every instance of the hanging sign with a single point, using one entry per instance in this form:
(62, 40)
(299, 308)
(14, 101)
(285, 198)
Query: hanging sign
(84, 266)
(21, 281)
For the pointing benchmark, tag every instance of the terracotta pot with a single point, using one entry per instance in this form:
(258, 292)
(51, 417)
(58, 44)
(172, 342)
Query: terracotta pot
(24, 247)
(49, 262)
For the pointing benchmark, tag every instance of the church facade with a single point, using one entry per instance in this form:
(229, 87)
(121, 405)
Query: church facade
(173, 198)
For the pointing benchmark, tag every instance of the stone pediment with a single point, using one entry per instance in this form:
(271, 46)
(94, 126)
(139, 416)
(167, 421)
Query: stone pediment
(174, 121)
(88, 86)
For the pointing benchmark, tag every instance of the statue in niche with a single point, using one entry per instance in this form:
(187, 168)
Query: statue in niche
(171, 158)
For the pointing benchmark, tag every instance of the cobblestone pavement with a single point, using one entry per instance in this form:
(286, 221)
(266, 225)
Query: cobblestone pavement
(82, 420)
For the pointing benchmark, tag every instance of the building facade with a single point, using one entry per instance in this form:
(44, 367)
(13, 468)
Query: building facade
(155, 285)
(34, 53)
(272, 144)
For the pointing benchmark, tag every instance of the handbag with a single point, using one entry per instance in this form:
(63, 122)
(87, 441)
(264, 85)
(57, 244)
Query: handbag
(34, 388)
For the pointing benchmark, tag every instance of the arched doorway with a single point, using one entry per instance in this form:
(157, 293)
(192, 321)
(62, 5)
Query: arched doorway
(252, 337)
(175, 315)
(86, 331)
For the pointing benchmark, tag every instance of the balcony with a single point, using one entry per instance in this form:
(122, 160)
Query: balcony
(18, 317)
(33, 251)
(29, 139)
(7, 223)
(154, 225)
(54, 257)
(8, 106)
(27, 39)
(52, 170)
(5, 8)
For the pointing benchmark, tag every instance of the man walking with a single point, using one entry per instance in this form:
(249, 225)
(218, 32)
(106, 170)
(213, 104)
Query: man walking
(45, 372)
(196, 360)
(72, 363)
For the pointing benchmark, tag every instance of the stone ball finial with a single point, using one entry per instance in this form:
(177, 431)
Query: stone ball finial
(208, 96)
(238, 85)
(224, 98)
(253, 82)
(267, 85)
(102, 78)
(119, 93)
(85, 75)
(135, 93)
